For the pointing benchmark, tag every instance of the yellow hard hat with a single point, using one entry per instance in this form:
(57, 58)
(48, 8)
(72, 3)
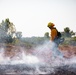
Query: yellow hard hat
(50, 24)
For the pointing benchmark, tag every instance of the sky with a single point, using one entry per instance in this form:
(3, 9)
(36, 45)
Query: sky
(32, 16)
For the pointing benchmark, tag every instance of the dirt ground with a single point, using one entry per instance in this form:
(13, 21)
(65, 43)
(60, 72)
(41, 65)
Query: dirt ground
(11, 50)
(68, 51)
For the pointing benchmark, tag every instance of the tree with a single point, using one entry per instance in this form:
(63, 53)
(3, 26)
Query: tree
(46, 35)
(7, 29)
(10, 27)
(19, 35)
(67, 32)
(72, 33)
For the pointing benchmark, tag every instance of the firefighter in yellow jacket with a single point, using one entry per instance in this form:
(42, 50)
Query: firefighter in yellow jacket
(54, 39)
(53, 31)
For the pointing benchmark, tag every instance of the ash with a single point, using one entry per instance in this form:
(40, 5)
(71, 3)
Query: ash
(37, 69)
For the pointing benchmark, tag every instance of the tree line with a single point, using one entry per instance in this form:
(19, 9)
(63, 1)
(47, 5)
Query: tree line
(9, 34)
(66, 33)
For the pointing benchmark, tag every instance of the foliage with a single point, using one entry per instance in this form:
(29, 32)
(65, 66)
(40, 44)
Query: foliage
(67, 32)
(7, 29)
(8, 34)
(72, 33)
(34, 41)
(70, 41)
(46, 35)
(19, 35)
(74, 38)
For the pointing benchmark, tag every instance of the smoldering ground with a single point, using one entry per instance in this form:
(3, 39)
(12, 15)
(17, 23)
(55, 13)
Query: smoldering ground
(40, 61)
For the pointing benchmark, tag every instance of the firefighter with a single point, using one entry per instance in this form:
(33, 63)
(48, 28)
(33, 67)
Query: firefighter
(53, 31)
(54, 38)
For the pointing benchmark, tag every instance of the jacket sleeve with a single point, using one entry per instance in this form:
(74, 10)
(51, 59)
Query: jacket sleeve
(53, 34)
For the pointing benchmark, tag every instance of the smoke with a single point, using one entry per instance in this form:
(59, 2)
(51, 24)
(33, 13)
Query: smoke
(26, 59)
(41, 54)
(42, 60)
(22, 59)
(47, 51)
(50, 54)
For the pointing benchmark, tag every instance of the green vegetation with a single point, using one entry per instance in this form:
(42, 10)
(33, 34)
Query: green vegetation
(8, 32)
(9, 35)
(67, 33)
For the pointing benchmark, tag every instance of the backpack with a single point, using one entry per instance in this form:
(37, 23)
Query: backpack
(58, 34)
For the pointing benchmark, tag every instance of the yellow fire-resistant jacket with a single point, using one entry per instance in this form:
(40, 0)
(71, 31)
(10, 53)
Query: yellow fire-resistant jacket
(53, 34)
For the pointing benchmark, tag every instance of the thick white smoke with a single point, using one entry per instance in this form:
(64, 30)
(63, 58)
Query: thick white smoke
(46, 51)
(41, 60)
(43, 53)
(24, 59)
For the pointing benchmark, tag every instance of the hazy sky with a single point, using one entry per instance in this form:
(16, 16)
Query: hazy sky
(32, 16)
